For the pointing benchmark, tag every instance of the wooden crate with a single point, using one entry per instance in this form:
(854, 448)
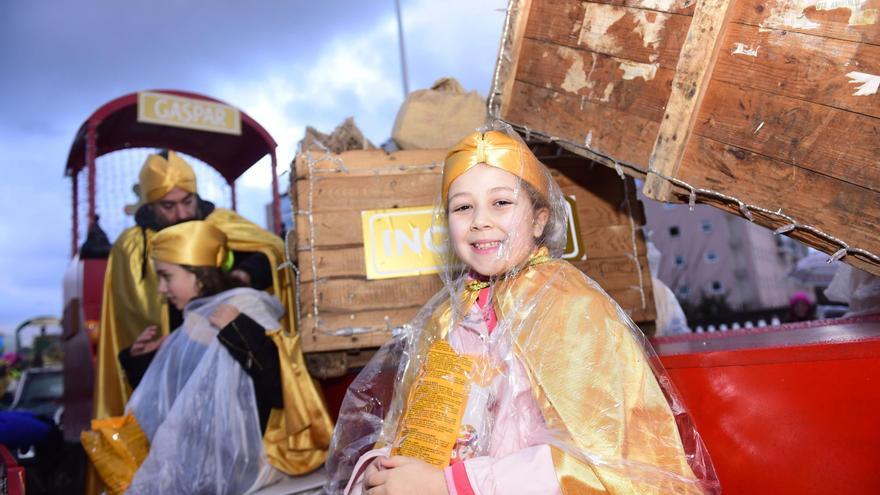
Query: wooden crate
(329, 192)
(769, 109)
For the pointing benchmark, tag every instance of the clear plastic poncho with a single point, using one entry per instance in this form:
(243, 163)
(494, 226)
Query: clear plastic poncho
(532, 377)
(197, 406)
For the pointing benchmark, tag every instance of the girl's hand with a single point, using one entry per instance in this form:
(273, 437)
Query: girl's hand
(401, 475)
(147, 342)
(223, 315)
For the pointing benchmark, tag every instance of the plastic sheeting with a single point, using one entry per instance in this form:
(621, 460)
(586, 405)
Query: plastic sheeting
(197, 407)
(521, 367)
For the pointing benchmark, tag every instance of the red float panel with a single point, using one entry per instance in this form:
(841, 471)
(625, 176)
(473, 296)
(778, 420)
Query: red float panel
(788, 409)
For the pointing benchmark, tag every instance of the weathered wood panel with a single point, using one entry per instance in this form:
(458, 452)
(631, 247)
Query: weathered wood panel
(635, 34)
(803, 66)
(634, 88)
(352, 295)
(342, 192)
(368, 162)
(842, 19)
(839, 208)
(627, 139)
(794, 131)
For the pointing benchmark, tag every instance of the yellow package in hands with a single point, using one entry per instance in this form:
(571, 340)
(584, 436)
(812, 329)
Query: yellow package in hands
(116, 446)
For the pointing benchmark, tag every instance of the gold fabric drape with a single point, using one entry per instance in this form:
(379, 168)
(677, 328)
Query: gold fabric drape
(297, 443)
(590, 376)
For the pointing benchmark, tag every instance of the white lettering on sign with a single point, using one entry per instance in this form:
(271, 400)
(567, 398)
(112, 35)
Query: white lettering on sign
(187, 112)
(191, 113)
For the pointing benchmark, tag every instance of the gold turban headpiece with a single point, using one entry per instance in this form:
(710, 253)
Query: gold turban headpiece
(194, 243)
(496, 149)
(159, 176)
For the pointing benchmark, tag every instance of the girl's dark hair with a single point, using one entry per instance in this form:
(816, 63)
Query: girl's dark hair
(213, 280)
(538, 203)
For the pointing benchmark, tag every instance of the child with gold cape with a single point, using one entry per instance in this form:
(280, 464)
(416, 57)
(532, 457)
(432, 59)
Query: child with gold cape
(522, 375)
(213, 412)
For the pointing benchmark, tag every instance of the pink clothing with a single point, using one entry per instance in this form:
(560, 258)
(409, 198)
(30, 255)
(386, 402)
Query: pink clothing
(508, 454)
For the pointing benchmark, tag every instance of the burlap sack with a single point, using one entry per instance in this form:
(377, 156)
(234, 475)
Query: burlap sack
(438, 117)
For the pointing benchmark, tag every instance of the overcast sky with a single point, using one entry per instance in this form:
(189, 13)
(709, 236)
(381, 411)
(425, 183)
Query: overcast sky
(288, 64)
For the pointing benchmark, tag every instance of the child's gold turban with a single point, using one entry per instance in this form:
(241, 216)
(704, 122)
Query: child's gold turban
(194, 243)
(496, 149)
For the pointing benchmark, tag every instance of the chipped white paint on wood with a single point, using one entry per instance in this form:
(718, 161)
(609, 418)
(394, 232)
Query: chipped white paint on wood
(576, 78)
(742, 49)
(792, 14)
(632, 70)
(649, 25)
(859, 15)
(606, 95)
(598, 18)
(870, 83)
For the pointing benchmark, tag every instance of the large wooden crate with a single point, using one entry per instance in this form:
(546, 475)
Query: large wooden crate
(340, 309)
(769, 109)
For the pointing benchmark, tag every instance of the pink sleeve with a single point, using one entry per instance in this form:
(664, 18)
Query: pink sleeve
(529, 470)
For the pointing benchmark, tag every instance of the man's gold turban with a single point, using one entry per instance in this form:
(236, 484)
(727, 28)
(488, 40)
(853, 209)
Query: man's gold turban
(194, 243)
(496, 149)
(159, 176)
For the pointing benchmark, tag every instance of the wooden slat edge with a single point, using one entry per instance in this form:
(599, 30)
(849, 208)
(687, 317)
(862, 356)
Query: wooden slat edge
(691, 79)
(508, 55)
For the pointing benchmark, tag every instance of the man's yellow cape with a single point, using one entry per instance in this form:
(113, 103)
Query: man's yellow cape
(296, 438)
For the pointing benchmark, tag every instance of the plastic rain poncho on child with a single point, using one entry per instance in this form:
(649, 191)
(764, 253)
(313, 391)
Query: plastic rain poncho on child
(521, 375)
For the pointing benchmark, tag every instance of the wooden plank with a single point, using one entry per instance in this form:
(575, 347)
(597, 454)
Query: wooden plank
(517, 20)
(684, 7)
(794, 131)
(373, 192)
(691, 76)
(625, 138)
(806, 67)
(841, 209)
(368, 162)
(639, 89)
(634, 34)
(353, 295)
(840, 19)
(379, 321)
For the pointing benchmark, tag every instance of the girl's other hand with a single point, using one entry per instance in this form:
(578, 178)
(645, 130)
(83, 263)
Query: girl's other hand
(223, 315)
(401, 475)
(147, 341)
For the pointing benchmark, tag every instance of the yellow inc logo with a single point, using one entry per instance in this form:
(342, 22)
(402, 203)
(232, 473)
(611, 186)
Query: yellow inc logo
(402, 242)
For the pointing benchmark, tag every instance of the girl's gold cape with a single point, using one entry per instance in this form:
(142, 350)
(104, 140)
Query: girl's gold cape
(613, 429)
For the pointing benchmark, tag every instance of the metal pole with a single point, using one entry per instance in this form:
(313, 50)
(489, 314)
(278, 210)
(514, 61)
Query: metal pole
(91, 156)
(402, 49)
(74, 242)
(232, 188)
(276, 197)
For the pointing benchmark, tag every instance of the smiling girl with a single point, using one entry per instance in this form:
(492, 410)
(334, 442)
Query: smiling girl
(522, 375)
